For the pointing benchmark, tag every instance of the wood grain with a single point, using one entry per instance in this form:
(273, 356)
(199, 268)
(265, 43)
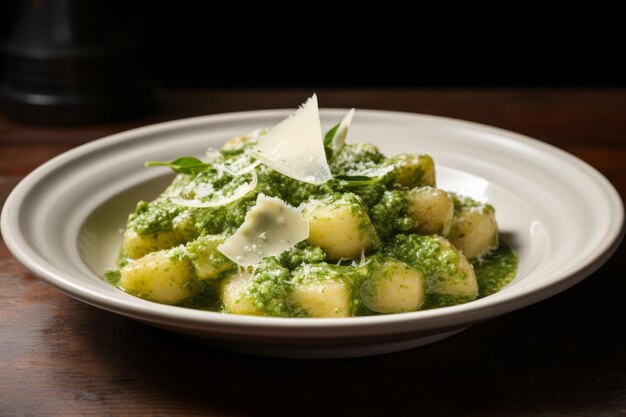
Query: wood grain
(563, 357)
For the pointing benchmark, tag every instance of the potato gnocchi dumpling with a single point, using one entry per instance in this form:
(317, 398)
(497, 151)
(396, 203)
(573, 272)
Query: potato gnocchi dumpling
(340, 226)
(432, 209)
(475, 231)
(414, 170)
(394, 287)
(318, 228)
(207, 260)
(235, 294)
(137, 244)
(163, 276)
(322, 291)
(449, 277)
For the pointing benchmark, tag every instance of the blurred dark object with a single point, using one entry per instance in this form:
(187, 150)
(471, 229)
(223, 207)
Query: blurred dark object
(69, 61)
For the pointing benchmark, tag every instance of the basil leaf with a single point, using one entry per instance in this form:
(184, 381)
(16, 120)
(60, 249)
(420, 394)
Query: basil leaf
(353, 178)
(185, 165)
(328, 141)
(358, 180)
(328, 137)
(375, 175)
(187, 161)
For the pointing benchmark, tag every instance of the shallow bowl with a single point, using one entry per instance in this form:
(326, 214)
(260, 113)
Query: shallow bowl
(564, 219)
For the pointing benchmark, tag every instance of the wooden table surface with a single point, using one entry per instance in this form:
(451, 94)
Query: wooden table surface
(565, 356)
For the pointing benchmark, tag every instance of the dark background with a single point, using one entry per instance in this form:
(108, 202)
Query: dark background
(179, 49)
(203, 54)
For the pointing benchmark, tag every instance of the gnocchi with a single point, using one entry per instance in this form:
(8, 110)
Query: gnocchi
(320, 228)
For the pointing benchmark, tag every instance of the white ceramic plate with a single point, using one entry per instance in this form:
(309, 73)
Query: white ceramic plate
(564, 219)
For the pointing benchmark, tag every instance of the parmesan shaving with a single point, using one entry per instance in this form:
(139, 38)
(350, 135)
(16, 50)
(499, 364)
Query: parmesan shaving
(295, 146)
(271, 227)
(219, 198)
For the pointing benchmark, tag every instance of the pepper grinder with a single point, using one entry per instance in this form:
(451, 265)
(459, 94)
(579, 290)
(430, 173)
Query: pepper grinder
(71, 62)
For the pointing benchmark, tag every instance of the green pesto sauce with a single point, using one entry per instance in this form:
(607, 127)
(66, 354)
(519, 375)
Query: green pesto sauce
(205, 295)
(156, 216)
(302, 253)
(292, 191)
(467, 203)
(414, 170)
(270, 288)
(495, 270)
(355, 157)
(390, 215)
(423, 253)
(113, 276)
(361, 291)
(434, 300)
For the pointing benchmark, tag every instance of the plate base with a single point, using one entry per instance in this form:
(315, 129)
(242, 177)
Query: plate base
(327, 352)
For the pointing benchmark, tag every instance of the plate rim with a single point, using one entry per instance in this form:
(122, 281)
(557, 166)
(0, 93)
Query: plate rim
(462, 315)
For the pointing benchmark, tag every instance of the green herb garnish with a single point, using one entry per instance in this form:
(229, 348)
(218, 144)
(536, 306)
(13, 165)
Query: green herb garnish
(185, 165)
